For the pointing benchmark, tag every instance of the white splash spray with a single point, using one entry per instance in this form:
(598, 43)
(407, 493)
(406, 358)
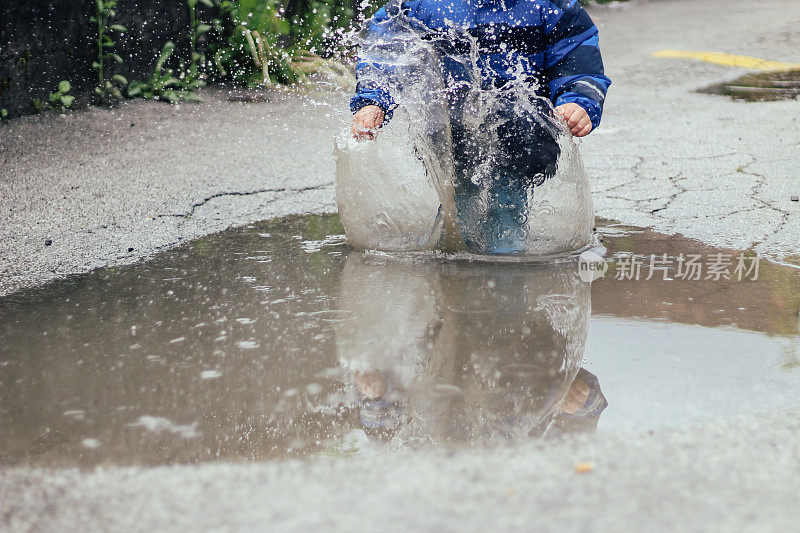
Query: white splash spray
(398, 191)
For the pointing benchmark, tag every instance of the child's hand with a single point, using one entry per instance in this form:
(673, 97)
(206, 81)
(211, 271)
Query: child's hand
(367, 121)
(576, 397)
(577, 119)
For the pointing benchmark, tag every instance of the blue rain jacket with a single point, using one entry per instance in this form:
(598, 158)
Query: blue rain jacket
(551, 43)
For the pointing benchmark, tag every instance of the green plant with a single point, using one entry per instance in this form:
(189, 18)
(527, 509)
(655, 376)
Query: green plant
(38, 105)
(104, 16)
(316, 24)
(279, 43)
(196, 27)
(191, 77)
(256, 50)
(60, 98)
(3, 114)
(162, 84)
(334, 70)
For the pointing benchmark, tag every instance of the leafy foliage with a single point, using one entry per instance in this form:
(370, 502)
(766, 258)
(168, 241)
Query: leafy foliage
(59, 98)
(104, 15)
(273, 42)
(192, 77)
(163, 84)
(250, 42)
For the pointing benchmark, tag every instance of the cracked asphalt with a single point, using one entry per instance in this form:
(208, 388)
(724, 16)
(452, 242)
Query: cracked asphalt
(113, 186)
(110, 186)
(705, 166)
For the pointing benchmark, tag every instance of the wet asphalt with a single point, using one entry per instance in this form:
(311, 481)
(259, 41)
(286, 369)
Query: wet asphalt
(109, 187)
(728, 476)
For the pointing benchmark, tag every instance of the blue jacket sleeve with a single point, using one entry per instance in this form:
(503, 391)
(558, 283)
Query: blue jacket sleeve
(573, 64)
(369, 88)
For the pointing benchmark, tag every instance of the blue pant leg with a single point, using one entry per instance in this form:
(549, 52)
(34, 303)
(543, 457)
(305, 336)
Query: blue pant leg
(492, 212)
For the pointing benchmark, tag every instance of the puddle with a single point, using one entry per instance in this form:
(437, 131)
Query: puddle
(760, 87)
(274, 340)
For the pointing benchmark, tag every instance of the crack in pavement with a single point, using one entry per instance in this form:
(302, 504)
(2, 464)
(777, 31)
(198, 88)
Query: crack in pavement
(633, 168)
(640, 203)
(720, 215)
(756, 190)
(203, 202)
(672, 197)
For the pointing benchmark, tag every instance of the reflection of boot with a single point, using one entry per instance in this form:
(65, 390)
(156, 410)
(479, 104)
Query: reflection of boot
(511, 342)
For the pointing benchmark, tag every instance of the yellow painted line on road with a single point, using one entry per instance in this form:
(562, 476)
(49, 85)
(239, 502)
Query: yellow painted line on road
(729, 60)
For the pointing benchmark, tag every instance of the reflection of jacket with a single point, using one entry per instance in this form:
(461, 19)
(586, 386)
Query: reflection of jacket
(552, 43)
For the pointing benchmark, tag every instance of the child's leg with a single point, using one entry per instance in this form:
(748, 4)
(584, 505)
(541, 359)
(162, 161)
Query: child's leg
(493, 213)
(527, 148)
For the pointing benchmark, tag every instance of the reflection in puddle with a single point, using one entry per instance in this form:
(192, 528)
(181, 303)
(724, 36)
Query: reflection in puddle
(276, 341)
(457, 352)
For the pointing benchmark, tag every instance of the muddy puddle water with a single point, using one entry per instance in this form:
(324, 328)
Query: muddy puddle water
(760, 86)
(275, 340)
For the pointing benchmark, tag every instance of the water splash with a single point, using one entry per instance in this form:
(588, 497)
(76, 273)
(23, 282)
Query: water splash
(463, 165)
